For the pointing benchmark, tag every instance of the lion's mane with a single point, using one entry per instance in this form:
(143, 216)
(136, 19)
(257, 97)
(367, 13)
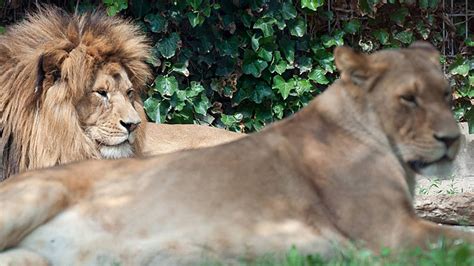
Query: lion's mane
(46, 63)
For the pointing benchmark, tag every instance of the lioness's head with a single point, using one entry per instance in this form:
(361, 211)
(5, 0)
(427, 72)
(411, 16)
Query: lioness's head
(76, 90)
(412, 100)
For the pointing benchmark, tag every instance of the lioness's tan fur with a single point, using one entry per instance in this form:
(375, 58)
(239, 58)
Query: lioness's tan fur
(52, 65)
(337, 172)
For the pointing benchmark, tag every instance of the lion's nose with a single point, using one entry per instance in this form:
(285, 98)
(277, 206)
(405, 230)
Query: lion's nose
(131, 126)
(447, 140)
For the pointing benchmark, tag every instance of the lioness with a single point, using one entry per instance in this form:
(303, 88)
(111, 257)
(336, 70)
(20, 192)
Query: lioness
(70, 90)
(339, 171)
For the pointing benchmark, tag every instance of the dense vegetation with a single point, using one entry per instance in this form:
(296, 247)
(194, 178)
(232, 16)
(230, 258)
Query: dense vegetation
(241, 64)
(460, 254)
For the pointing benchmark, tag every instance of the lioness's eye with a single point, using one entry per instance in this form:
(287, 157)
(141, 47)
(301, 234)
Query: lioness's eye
(130, 93)
(409, 99)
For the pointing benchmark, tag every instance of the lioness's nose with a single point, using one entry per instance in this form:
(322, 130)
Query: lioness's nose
(447, 140)
(130, 126)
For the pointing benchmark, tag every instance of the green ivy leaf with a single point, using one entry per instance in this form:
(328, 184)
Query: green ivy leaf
(367, 6)
(283, 87)
(225, 66)
(303, 86)
(195, 4)
(278, 65)
(288, 10)
(265, 54)
(247, 20)
(115, 6)
(252, 64)
(336, 40)
(423, 30)
(469, 117)
(231, 120)
(405, 37)
(166, 86)
(381, 35)
(229, 47)
(181, 68)
(304, 64)
(288, 48)
(352, 26)
(266, 25)
(151, 106)
(281, 23)
(312, 4)
(277, 110)
(157, 23)
(469, 42)
(156, 110)
(168, 45)
(460, 67)
(255, 42)
(195, 19)
(139, 8)
(399, 16)
(298, 27)
(194, 90)
(112, 11)
(201, 104)
(260, 92)
(428, 4)
(319, 76)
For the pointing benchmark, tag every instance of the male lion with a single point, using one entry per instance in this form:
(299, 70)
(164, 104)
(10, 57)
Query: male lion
(69, 90)
(337, 172)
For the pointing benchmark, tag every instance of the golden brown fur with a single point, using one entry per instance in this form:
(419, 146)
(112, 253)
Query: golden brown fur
(163, 138)
(48, 67)
(337, 172)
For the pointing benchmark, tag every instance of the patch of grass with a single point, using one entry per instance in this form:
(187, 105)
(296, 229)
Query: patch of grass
(441, 253)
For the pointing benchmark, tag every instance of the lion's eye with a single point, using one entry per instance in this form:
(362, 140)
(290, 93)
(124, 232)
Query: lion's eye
(102, 93)
(409, 99)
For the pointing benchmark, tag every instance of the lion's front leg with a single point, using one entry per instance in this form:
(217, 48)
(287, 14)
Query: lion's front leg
(26, 203)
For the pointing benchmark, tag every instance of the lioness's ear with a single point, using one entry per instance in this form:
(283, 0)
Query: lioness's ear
(429, 49)
(353, 66)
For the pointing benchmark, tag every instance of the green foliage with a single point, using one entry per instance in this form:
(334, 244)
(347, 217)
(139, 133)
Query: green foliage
(252, 63)
(442, 253)
(461, 73)
(2, 30)
(115, 6)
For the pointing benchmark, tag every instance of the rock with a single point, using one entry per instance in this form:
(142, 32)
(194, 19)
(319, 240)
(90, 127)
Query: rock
(456, 209)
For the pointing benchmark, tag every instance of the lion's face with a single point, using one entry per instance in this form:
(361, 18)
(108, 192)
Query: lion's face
(414, 111)
(75, 89)
(108, 112)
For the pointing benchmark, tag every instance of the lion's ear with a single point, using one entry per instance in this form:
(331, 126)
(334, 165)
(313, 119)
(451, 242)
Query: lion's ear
(428, 49)
(49, 68)
(353, 66)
